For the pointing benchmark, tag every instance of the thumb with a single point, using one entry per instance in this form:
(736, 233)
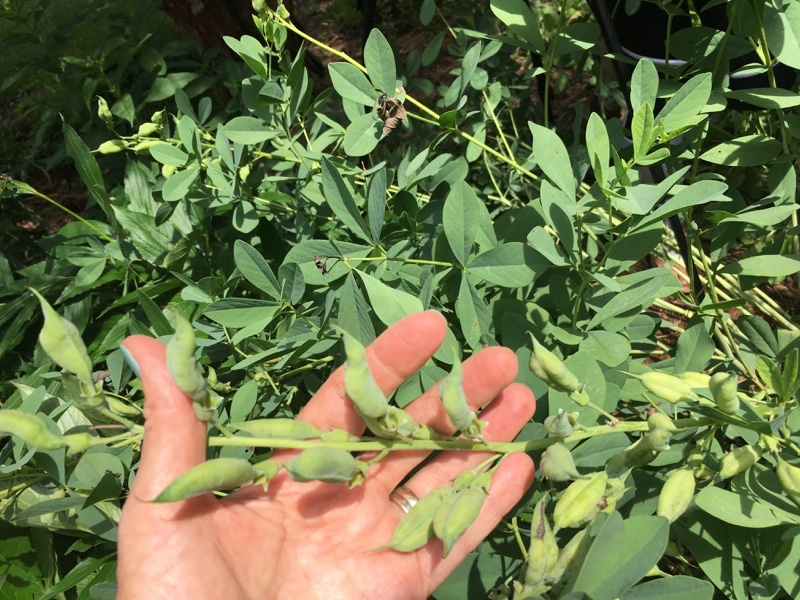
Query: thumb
(174, 438)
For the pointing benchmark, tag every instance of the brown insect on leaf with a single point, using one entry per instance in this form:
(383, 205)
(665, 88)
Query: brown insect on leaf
(391, 111)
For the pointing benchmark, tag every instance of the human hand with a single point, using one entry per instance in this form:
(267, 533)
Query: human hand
(311, 540)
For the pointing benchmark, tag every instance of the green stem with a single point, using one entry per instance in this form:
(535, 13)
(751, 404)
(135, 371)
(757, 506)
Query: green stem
(379, 445)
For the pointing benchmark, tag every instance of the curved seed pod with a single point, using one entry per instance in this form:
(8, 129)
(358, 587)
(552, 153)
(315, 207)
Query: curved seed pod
(181, 362)
(30, 428)
(558, 425)
(368, 399)
(668, 387)
(415, 529)
(328, 465)
(451, 392)
(565, 558)
(456, 514)
(723, 390)
(639, 454)
(543, 549)
(394, 423)
(339, 435)
(214, 474)
(789, 478)
(660, 421)
(677, 494)
(657, 439)
(738, 460)
(288, 429)
(122, 408)
(559, 377)
(62, 342)
(579, 500)
(557, 464)
(103, 111)
(79, 442)
(536, 366)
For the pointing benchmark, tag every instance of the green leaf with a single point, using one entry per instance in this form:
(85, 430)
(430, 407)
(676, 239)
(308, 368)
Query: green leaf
(351, 84)
(341, 200)
(621, 554)
(167, 154)
(700, 192)
(292, 282)
(606, 347)
(656, 283)
(244, 401)
(686, 104)
(353, 315)
(241, 312)
(255, 269)
(389, 304)
(177, 187)
(305, 253)
(694, 348)
(449, 119)
(597, 144)
(89, 172)
(782, 27)
(376, 204)
(460, 217)
(248, 131)
(759, 333)
(472, 313)
(520, 20)
(551, 155)
(678, 587)
(769, 265)
(770, 373)
(379, 60)
(155, 315)
(766, 97)
(644, 84)
(741, 511)
(642, 131)
(544, 244)
(745, 151)
(426, 12)
(362, 135)
(510, 265)
(764, 217)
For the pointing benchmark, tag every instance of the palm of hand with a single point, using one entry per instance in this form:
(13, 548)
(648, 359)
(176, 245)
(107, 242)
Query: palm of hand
(310, 540)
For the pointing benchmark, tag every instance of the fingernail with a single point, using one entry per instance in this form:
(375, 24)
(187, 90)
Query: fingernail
(131, 361)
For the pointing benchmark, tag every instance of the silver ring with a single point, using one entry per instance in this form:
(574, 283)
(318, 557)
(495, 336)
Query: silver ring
(404, 498)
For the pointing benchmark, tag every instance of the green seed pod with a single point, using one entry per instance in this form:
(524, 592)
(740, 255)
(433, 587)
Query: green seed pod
(543, 549)
(657, 439)
(103, 111)
(558, 376)
(395, 423)
(738, 460)
(566, 558)
(579, 500)
(415, 529)
(451, 392)
(639, 454)
(558, 425)
(181, 362)
(80, 442)
(456, 513)
(615, 490)
(557, 464)
(147, 129)
(677, 494)
(660, 421)
(328, 465)
(144, 146)
(168, 171)
(30, 428)
(62, 342)
(789, 478)
(368, 399)
(668, 387)
(121, 408)
(244, 172)
(695, 379)
(288, 429)
(111, 147)
(212, 475)
(723, 390)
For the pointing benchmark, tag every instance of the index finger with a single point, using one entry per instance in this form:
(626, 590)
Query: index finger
(397, 354)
